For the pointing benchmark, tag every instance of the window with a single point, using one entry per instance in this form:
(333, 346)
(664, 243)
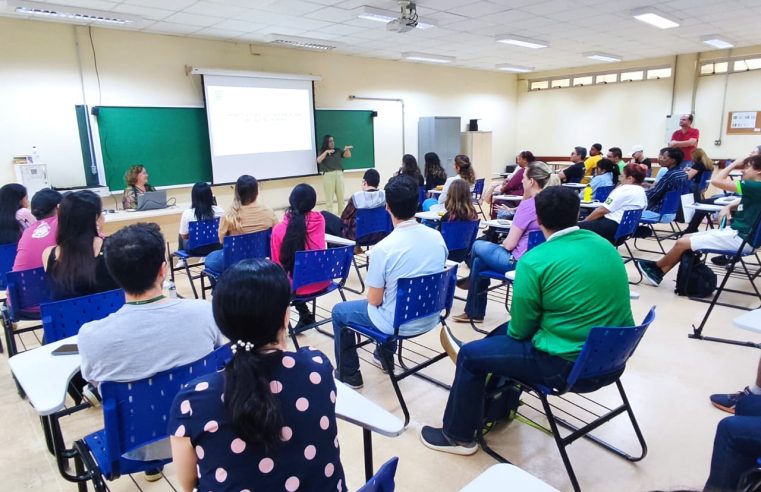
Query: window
(606, 78)
(539, 85)
(658, 73)
(632, 76)
(730, 65)
(560, 83)
(584, 80)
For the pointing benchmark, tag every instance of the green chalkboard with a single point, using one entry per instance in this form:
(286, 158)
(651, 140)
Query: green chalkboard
(172, 143)
(348, 127)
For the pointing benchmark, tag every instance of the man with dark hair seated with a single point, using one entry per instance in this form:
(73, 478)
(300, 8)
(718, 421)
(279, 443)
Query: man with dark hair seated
(369, 197)
(411, 250)
(556, 302)
(150, 333)
(574, 172)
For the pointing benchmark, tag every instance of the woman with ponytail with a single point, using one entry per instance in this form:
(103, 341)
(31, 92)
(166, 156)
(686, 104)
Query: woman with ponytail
(464, 170)
(267, 422)
(302, 229)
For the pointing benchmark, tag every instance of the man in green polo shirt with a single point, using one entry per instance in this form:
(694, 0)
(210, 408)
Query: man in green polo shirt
(330, 165)
(558, 298)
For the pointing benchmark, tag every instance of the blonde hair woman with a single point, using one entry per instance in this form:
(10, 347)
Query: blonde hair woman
(136, 181)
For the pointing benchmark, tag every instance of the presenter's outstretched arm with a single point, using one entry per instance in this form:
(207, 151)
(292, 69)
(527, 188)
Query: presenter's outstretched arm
(347, 151)
(322, 156)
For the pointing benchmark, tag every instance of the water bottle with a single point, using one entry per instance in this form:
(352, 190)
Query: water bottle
(170, 289)
(588, 194)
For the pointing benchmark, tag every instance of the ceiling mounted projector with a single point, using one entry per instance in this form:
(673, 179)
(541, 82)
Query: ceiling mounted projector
(407, 20)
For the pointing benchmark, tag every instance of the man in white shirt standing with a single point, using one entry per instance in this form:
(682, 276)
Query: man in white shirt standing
(410, 250)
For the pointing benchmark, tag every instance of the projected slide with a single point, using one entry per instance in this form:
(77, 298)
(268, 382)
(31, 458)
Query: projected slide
(260, 126)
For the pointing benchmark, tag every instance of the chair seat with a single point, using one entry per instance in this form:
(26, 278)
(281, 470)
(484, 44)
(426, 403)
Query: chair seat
(651, 221)
(97, 444)
(492, 274)
(211, 273)
(373, 333)
(330, 288)
(181, 253)
(719, 252)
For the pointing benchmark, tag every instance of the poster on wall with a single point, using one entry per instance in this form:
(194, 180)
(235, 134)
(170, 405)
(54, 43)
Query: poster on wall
(743, 119)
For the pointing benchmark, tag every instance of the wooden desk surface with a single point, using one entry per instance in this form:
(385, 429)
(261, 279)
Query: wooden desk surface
(168, 219)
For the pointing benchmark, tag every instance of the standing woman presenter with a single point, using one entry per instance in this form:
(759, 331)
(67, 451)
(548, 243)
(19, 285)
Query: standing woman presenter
(329, 163)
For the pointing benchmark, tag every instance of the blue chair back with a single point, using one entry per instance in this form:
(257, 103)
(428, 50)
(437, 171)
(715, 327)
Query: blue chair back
(423, 296)
(602, 192)
(421, 195)
(202, 233)
(754, 237)
(383, 481)
(321, 265)
(370, 222)
(478, 188)
(535, 238)
(62, 319)
(628, 225)
(607, 350)
(245, 246)
(671, 203)
(136, 414)
(705, 178)
(27, 289)
(459, 234)
(7, 258)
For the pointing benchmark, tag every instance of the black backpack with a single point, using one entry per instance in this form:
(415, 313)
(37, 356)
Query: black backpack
(694, 279)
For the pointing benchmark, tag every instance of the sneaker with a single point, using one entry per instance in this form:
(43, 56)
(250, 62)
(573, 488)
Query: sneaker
(90, 395)
(435, 439)
(305, 320)
(180, 264)
(650, 272)
(450, 343)
(464, 318)
(383, 364)
(352, 380)
(729, 402)
(153, 475)
(721, 260)
(463, 283)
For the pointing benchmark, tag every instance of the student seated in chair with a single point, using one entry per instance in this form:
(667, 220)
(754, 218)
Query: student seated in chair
(575, 172)
(268, 421)
(548, 329)
(40, 235)
(410, 250)
(675, 179)
(369, 197)
(728, 238)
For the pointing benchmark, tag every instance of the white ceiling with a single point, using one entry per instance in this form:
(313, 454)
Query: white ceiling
(465, 28)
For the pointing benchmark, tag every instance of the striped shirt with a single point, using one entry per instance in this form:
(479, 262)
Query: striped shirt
(675, 179)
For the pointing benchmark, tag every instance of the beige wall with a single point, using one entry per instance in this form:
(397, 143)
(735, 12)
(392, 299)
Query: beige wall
(41, 84)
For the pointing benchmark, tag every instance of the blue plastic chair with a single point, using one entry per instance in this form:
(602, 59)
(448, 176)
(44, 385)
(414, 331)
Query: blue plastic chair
(416, 297)
(202, 234)
(421, 196)
(27, 289)
(321, 265)
(477, 193)
(601, 363)
(602, 192)
(135, 414)
(671, 203)
(625, 230)
(459, 236)
(62, 319)
(237, 248)
(7, 258)
(373, 224)
(383, 480)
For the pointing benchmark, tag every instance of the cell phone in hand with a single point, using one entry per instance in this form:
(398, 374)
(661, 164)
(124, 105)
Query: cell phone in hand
(723, 223)
(66, 349)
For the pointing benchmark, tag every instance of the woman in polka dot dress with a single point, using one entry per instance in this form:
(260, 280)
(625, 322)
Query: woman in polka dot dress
(267, 422)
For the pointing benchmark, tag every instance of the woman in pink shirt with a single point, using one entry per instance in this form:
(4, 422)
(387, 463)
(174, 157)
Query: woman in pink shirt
(41, 234)
(302, 229)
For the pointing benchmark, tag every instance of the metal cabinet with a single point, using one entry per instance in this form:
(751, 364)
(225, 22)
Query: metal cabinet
(440, 134)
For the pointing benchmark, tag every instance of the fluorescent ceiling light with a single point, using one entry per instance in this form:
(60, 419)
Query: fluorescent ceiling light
(513, 68)
(521, 41)
(70, 14)
(654, 17)
(717, 41)
(299, 42)
(605, 57)
(386, 16)
(426, 57)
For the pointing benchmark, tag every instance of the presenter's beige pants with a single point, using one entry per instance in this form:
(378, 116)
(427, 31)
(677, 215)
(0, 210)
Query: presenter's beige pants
(333, 181)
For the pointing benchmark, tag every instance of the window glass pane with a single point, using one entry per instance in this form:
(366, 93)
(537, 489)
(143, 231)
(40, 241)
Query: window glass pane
(606, 78)
(706, 69)
(627, 76)
(747, 64)
(659, 73)
(721, 67)
(753, 63)
(561, 83)
(585, 80)
(542, 84)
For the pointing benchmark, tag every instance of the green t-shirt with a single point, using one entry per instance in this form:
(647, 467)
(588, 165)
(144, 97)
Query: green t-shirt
(332, 162)
(749, 208)
(560, 294)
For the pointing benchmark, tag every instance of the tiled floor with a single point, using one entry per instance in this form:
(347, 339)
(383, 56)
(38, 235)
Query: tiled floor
(668, 381)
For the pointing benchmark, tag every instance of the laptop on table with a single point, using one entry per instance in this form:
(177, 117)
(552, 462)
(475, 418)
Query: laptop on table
(151, 200)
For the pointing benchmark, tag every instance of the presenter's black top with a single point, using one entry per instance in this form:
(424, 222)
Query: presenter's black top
(332, 162)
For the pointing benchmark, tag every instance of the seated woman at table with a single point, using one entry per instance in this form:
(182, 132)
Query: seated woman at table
(202, 207)
(512, 185)
(411, 169)
(136, 181)
(630, 195)
(606, 174)
(268, 421)
(76, 266)
(464, 170)
(701, 164)
(245, 215)
(434, 173)
(302, 229)
(459, 207)
(15, 215)
(503, 257)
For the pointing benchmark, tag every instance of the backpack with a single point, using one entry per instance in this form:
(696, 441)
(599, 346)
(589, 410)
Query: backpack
(694, 279)
(499, 406)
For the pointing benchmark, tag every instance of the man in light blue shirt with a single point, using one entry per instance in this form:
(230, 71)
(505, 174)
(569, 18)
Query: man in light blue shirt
(411, 250)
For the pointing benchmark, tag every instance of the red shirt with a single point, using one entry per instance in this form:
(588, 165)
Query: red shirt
(681, 136)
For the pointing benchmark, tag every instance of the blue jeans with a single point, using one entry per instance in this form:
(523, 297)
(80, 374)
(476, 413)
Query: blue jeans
(736, 446)
(650, 215)
(501, 355)
(215, 261)
(486, 256)
(354, 312)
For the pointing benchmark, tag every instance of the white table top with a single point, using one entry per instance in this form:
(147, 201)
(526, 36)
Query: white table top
(706, 207)
(736, 173)
(45, 378)
(590, 204)
(430, 215)
(435, 192)
(749, 321)
(576, 186)
(726, 200)
(125, 215)
(498, 223)
(504, 477)
(514, 198)
(650, 180)
(331, 239)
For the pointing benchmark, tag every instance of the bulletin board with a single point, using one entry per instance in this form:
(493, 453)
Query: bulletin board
(744, 123)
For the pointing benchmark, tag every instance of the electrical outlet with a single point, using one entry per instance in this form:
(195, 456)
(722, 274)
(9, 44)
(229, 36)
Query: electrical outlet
(717, 142)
